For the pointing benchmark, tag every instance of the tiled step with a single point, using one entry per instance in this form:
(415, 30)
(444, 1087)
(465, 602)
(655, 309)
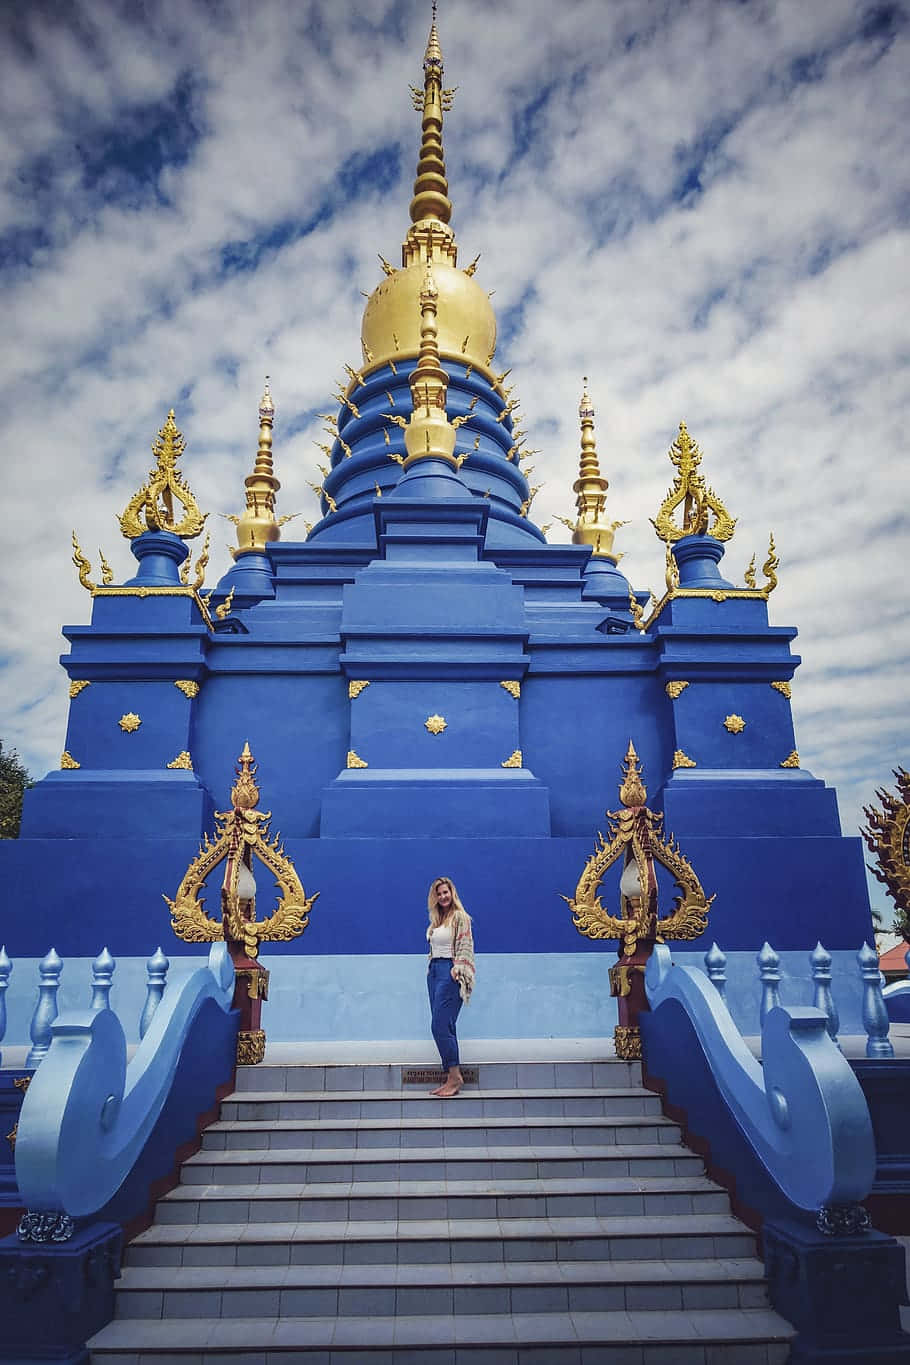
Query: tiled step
(465, 1163)
(485, 1287)
(453, 1129)
(428, 1241)
(755, 1336)
(268, 1105)
(491, 1075)
(294, 1201)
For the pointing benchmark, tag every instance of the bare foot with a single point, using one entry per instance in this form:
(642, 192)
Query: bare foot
(448, 1091)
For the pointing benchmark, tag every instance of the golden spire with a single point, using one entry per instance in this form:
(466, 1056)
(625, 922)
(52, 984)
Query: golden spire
(466, 324)
(245, 791)
(632, 790)
(690, 491)
(258, 525)
(590, 489)
(430, 237)
(152, 507)
(429, 431)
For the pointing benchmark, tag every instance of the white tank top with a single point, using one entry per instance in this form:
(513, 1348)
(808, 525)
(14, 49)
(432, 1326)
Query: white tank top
(441, 941)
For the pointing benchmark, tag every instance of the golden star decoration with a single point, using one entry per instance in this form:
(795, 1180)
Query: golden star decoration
(435, 724)
(735, 724)
(129, 722)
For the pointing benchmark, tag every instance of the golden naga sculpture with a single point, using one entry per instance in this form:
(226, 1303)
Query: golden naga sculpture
(242, 834)
(699, 502)
(635, 835)
(152, 508)
(888, 837)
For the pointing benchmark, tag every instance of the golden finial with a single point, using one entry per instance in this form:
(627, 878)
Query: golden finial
(429, 431)
(632, 789)
(202, 564)
(671, 568)
(224, 611)
(107, 573)
(83, 565)
(153, 507)
(258, 526)
(770, 566)
(750, 573)
(590, 489)
(638, 616)
(245, 792)
(698, 501)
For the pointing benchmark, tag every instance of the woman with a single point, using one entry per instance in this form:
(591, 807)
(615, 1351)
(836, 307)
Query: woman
(450, 975)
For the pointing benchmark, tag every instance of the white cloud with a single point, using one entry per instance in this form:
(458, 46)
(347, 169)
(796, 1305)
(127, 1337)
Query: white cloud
(767, 305)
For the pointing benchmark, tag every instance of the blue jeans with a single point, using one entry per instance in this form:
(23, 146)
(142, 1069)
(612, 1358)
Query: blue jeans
(445, 1002)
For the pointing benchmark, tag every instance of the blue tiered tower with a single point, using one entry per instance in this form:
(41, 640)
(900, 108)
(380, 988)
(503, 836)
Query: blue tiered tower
(430, 688)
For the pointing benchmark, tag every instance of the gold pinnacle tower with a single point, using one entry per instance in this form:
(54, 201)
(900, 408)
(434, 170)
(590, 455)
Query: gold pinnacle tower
(590, 489)
(258, 526)
(430, 237)
(466, 323)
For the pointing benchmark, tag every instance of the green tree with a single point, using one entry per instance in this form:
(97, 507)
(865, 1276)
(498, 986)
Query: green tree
(14, 779)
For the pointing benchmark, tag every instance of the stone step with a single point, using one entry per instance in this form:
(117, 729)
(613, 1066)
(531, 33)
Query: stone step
(437, 1240)
(487, 1287)
(750, 1336)
(455, 1199)
(305, 1078)
(452, 1129)
(316, 1166)
(266, 1105)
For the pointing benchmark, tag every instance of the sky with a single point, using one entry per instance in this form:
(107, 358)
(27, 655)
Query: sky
(702, 206)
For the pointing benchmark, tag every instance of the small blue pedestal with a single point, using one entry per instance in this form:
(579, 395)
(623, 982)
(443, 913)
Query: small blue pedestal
(54, 1296)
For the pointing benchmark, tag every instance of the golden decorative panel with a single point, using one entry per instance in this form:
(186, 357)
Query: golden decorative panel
(513, 688)
(356, 762)
(250, 1047)
(355, 688)
(627, 1043)
(735, 724)
(513, 761)
(783, 688)
(189, 688)
(682, 760)
(78, 685)
(888, 837)
(182, 760)
(67, 760)
(635, 835)
(792, 761)
(673, 689)
(435, 724)
(241, 834)
(129, 722)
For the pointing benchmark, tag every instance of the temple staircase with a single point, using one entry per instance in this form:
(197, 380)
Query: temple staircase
(550, 1213)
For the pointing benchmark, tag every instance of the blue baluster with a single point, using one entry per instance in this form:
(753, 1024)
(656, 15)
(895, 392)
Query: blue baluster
(5, 968)
(156, 967)
(769, 975)
(49, 970)
(102, 978)
(875, 1015)
(820, 962)
(716, 967)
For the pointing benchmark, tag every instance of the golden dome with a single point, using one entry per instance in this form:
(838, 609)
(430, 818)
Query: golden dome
(466, 321)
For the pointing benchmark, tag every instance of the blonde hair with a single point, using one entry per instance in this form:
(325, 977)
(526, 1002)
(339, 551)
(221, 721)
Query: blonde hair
(436, 917)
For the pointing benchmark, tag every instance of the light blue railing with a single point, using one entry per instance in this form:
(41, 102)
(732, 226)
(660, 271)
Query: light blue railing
(801, 1109)
(87, 1115)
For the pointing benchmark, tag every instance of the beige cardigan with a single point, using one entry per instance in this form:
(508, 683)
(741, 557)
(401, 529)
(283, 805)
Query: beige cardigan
(462, 953)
